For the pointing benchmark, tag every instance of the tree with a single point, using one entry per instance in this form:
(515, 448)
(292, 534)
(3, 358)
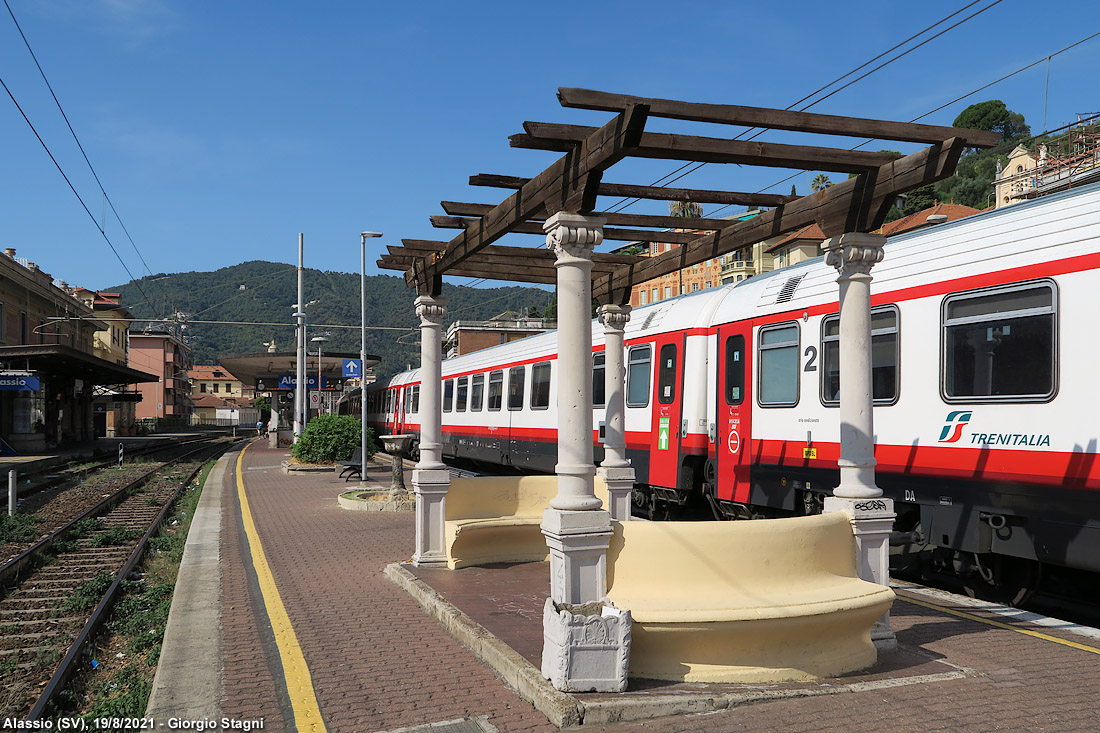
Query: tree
(820, 183)
(994, 116)
(685, 209)
(793, 191)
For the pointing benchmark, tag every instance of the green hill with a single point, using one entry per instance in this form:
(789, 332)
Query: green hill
(261, 292)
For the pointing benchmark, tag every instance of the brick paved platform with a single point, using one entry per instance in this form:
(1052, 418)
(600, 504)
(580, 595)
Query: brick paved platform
(379, 663)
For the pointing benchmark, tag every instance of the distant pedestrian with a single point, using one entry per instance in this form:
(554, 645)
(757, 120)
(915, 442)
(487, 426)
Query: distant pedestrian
(260, 428)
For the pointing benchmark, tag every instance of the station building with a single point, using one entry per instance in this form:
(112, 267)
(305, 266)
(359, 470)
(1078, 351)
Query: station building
(49, 371)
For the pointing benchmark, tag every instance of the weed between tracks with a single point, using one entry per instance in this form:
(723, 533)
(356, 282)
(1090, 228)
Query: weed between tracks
(117, 676)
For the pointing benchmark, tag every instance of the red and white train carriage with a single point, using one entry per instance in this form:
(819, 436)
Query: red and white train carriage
(983, 375)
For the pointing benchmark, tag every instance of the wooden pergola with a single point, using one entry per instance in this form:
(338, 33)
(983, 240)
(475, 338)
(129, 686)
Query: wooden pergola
(575, 183)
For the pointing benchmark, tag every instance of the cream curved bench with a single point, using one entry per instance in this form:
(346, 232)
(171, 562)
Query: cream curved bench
(499, 518)
(761, 601)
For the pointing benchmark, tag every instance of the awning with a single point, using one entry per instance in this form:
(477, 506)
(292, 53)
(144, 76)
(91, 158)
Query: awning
(267, 366)
(57, 360)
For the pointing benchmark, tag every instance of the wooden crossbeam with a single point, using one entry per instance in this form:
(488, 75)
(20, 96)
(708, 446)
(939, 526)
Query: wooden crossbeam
(497, 254)
(460, 208)
(569, 184)
(489, 273)
(694, 195)
(858, 204)
(774, 119)
(494, 180)
(546, 135)
(658, 193)
(612, 233)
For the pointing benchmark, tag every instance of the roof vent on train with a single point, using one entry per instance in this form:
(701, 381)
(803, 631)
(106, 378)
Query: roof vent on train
(787, 291)
(654, 317)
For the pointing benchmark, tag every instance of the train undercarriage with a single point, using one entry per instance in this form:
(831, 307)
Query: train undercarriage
(986, 540)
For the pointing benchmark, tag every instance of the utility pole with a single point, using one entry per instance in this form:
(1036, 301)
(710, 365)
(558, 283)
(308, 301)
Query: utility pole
(300, 318)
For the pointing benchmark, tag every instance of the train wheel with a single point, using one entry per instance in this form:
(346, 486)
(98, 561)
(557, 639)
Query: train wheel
(1002, 579)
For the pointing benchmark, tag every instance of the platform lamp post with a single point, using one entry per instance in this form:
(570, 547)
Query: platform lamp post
(320, 341)
(363, 237)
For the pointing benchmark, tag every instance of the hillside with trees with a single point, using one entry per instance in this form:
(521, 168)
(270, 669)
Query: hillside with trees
(261, 292)
(972, 183)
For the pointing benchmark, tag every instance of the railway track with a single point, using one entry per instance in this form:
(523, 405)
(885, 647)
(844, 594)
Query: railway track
(56, 593)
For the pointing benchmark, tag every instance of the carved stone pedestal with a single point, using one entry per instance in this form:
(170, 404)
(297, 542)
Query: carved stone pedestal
(872, 522)
(586, 648)
(578, 553)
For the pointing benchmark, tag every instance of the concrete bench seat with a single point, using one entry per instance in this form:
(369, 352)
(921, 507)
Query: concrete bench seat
(499, 519)
(761, 601)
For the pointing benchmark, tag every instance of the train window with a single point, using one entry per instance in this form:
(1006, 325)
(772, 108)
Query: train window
(477, 392)
(599, 386)
(666, 375)
(389, 401)
(637, 376)
(448, 394)
(463, 391)
(414, 399)
(999, 343)
(735, 370)
(884, 357)
(515, 388)
(540, 386)
(777, 359)
(496, 389)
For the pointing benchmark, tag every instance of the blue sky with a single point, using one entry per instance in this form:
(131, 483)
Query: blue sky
(222, 129)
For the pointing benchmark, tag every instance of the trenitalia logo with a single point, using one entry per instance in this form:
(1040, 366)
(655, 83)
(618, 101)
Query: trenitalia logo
(956, 421)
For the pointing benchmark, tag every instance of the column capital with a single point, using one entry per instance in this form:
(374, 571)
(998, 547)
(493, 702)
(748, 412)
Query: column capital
(573, 236)
(431, 310)
(614, 316)
(853, 253)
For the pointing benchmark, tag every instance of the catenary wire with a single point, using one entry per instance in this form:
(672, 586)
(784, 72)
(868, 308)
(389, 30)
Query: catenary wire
(626, 203)
(75, 138)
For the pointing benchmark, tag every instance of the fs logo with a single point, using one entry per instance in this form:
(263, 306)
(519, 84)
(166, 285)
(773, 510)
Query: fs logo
(956, 421)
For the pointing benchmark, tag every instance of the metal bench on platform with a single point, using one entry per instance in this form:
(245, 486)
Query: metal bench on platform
(762, 601)
(353, 466)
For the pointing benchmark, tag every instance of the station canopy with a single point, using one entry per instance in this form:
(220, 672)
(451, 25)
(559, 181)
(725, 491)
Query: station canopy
(575, 183)
(69, 363)
(266, 367)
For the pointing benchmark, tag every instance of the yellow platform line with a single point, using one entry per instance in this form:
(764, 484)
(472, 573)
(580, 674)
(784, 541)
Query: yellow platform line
(299, 683)
(999, 625)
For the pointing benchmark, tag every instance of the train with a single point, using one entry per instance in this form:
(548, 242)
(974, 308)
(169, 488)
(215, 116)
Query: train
(986, 435)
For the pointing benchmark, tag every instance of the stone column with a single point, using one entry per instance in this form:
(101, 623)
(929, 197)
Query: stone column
(430, 477)
(615, 469)
(577, 531)
(872, 515)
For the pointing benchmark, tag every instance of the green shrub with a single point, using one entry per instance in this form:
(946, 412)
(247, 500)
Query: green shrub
(331, 438)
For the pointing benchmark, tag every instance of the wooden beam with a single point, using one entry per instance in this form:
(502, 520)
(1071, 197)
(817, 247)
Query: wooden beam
(856, 205)
(658, 193)
(489, 273)
(460, 208)
(694, 195)
(612, 233)
(716, 150)
(557, 188)
(775, 119)
(493, 180)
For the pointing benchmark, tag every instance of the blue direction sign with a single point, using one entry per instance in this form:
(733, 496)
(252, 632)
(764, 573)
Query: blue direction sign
(289, 381)
(353, 368)
(18, 384)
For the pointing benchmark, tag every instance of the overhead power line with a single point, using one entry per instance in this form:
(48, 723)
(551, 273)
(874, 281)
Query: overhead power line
(73, 188)
(626, 203)
(75, 138)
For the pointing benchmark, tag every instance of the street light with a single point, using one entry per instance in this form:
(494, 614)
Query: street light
(363, 236)
(320, 341)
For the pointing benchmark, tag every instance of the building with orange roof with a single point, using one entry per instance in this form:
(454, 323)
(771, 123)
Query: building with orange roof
(937, 214)
(802, 245)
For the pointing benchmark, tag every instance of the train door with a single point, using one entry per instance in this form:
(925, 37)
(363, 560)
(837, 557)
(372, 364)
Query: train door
(399, 411)
(666, 430)
(733, 413)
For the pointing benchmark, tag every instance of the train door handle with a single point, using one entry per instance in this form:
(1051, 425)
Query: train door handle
(683, 428)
